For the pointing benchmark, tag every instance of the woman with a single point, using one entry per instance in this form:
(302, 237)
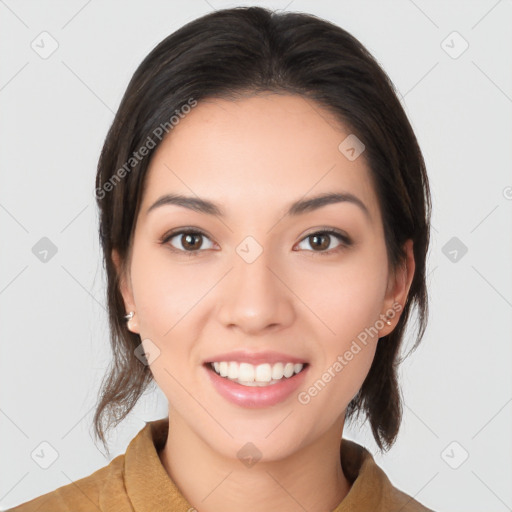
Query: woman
(264, 217)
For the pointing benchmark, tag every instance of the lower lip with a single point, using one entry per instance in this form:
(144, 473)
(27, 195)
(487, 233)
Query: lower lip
(253, 396)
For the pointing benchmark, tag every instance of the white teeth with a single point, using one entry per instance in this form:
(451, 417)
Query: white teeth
(288, 369)
(278, 371)
(256, 375)
(232, 370)
(246, 372)
(223, 369)
(263, 373)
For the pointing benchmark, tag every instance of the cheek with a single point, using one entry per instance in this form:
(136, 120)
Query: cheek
(167, 298)
(165, 292)
(346, 349)
(348, 297)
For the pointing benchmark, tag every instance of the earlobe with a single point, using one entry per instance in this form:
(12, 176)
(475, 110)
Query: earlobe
(132, 324)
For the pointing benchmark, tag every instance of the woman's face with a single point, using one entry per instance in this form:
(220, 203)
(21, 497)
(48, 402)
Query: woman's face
(255, 283)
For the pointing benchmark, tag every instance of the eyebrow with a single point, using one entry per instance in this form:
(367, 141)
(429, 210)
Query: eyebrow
(296, 208)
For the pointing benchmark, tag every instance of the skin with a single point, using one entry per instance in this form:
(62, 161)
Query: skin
(254, 156)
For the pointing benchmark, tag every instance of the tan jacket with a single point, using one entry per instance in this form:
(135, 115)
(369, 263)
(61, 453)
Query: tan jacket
(138, 482)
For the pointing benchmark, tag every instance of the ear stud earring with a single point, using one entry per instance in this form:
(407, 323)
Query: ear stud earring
(129, 315)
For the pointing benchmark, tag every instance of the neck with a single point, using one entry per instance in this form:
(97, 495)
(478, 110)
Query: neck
(309, 479)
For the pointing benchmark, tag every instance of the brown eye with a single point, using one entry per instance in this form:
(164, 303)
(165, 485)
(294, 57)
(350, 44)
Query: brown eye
(321, 241)
(191, 241)
(186, 241)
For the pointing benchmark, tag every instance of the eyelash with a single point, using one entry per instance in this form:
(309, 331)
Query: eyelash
(344, 239)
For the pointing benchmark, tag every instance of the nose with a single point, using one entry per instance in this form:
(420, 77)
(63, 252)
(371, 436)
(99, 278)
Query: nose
(255, 297)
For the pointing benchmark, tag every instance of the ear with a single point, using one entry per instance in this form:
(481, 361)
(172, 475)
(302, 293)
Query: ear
(126, 291)
(399, 284)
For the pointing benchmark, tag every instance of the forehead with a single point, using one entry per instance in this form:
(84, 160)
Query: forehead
(262, 151)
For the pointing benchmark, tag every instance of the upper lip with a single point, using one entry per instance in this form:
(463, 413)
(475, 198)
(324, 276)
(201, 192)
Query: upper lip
(255, 358)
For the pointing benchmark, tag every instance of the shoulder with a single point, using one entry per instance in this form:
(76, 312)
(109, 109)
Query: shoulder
(391, 497)
(405, 503)
(84, 495)
(108, 488)
(371, 488)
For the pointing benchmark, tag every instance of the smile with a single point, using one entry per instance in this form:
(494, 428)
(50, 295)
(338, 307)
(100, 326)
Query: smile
(256, 385)
(247, 374)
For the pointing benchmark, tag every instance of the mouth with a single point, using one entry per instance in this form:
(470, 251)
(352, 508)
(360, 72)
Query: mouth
(256, 385)
(260, 375)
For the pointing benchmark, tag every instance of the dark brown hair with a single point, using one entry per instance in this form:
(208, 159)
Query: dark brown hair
(235, 52)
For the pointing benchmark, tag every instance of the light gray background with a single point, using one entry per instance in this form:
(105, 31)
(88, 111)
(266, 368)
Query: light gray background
(55, 113)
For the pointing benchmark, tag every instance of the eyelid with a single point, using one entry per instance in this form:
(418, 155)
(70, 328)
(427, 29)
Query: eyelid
(331, 231)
